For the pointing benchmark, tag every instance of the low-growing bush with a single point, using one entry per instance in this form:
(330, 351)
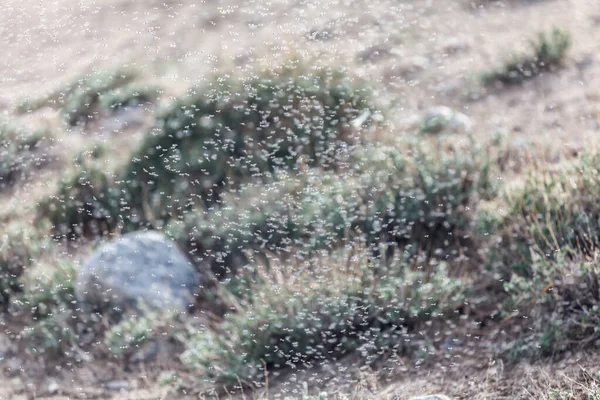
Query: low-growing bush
(50, 300)
(50, 337)
(299, 315)
(547, 53)
(53, 293)
(131, 95)
(22, 151)
(130, 333)
(218, 137)
(87, 203)
(552, 212)
(93, 94)
(81, 99)
(423, 200)
(561, 301)
(19, 246)
(543, 246)
(238, 131)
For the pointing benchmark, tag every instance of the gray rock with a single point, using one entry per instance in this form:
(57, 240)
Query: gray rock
(137, 270)
(52, 387)
(444, 119)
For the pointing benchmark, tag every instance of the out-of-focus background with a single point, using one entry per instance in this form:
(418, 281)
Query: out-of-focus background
(299, 199)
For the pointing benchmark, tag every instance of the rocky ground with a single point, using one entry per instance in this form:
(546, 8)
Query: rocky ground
(418, 54)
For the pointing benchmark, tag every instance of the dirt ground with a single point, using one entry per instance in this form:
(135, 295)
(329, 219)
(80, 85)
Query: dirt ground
(416, 53)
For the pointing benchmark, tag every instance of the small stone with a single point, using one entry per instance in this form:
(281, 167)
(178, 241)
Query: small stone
(52, 387)
(135, 271)
(374, 54)
(444, 119)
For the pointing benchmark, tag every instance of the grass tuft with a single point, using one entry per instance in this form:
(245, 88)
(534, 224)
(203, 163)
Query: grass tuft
(547, 53)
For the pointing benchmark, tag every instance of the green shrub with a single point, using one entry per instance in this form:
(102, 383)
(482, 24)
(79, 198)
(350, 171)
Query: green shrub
(87, 203)
(51, 294)
(298, 316)
(97, 92)
(218, 137)
(132, 94)
(421, 200)
(553, 211)
(129, 333)
(21, 151)
(543, 245)
(19, 246)
(240, 131)
(547, 53)
(50, 300)
(171, 378)
(81, 99)
(53, 336)
(561, 301)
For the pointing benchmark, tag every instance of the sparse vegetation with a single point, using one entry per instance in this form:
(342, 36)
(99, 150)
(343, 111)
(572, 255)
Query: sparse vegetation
(420, 203)
(21, 151)
(553, 212)
(298, 316)
(94, 94)
(130, 333)
(82, 99)
(543, 244)
(130, 95)
(236, 131)
(86, 203)
(50, 300)
(547, 53)
(322, 233)
(19, 247)
(214, 138)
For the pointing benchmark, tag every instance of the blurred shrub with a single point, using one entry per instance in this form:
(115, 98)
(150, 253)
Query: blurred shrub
(422, 200)
(552, 212)
(19, 246)
(547, 53)
(237, 131)
(53, 293)
(298, 316)
(21, 151)
(87, 203)
(561, 300)
(543, 246)
(130, 333)
(130, 95)
(53, 336)
(50, 300)
(224, 135)
(95, 93)
(81, 99)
